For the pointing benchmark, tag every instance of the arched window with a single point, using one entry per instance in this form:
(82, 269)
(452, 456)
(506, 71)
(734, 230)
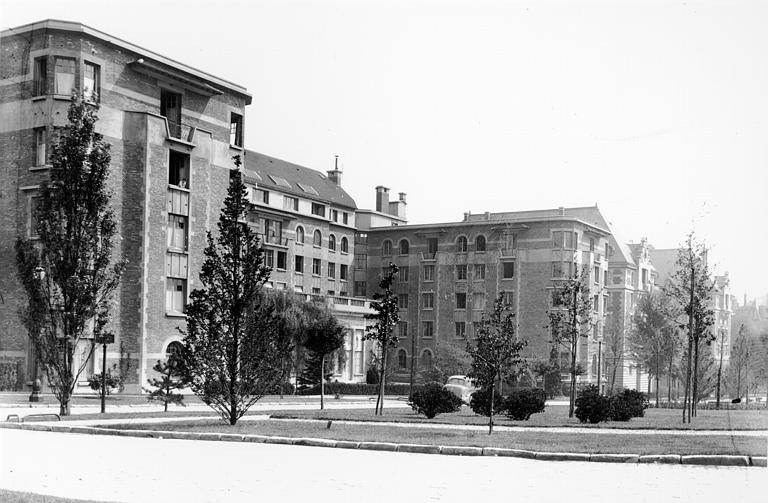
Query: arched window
(403, 247)
(461, 244)
(300, 234)
(426, 359)
(344, 245)
(173, 349)
(331, 242)
(402, 359)
(317, 239)
(386, 247)
(480, 243)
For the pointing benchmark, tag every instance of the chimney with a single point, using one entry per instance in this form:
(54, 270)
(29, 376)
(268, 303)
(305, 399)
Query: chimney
(334, 175)
(402, 197)
(382, 199)
(397, 208)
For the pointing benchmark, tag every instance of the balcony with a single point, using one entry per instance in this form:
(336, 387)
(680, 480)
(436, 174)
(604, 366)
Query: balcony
(428, 255)
(180, 131)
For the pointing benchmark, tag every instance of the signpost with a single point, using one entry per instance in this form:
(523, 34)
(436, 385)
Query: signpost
(104, 339)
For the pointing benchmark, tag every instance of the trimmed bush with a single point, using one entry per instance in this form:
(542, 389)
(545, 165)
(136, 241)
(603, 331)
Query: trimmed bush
(113, 383)
(591, 406)
(433, 400)
(481, 402)
(520, 404)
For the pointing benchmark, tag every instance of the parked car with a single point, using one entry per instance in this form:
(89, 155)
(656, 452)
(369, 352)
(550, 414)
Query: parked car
(461, 386)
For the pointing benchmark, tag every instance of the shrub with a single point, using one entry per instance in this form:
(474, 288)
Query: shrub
(287, 389)
(620, 409)
(592, 406)
(433, 400)
(481, 402)
(372, 376)
(637, 401)
(520, 404)
(114, 382)
(8, 376)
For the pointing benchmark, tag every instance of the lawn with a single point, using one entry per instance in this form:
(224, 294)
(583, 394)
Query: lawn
(620, 443)
(557, 415)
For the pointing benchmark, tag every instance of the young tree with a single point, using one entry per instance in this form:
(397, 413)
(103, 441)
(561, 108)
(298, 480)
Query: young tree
(164, 388)
(386, 316)
(324, 337)
(571, 319)
(232, 352)
(449, 360)
(691, 288)
(652, 338)
(68, 272)
(496, 352)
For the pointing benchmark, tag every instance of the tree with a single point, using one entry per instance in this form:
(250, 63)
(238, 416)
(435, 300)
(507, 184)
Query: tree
(232, 353)
(324, 337)
(496, 352)
(386, 316)
(570, 320)
(691, 288)
(293, 315)
(549, 372)
(652, 339)
(613, 344)
(68, 273)
(170, 380)
(449, 360)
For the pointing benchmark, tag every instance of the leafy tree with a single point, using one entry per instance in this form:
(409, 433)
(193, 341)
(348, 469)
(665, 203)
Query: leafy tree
(449, 360)
(164, 388)
(571, 319)
(496, 352)
(324, 338)
(68, 272)
(292, 316)
(549, 372)
(691, 288)
(652, 340)
(433, 400)
(232, 353)
(386, 316)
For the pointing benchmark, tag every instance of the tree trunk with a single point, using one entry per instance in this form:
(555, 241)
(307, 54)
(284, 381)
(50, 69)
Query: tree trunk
(613, 375)
(695, 394)
(490, 413)
(64, 403)
(686, 403)
(657, 382)
(381, 380)
(322, 382)
(669, 381)
(719, 372)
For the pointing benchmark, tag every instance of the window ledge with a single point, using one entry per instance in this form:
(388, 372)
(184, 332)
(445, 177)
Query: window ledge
(178, 187)
(174, 314)
(62, 97)
(235, 147)
(40, 168)
(40, 97)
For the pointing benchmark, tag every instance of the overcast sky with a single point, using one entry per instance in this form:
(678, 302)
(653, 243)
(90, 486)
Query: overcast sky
(655, 111)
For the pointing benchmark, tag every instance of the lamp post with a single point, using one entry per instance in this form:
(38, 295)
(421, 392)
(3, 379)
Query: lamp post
(599, 364)
(104, 339)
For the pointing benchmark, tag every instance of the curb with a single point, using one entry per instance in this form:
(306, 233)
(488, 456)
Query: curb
(448, 450)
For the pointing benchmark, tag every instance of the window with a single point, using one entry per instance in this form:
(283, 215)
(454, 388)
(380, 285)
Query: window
(562, 269)
(236, 129)
(478, 301)
(332, 242)
(360, 288)
(344, 245)
(557, 298)
(41, 155)
(40, 77)
(178, 169)
(175, 295)
(403, 247)
(429, 273)
(607, 250)
(461, 272)
(64, 76)
(177, 232)
(480, 243)
(317, 239)
(300, 235)
(596, 274)
(507, 270)
(173, 350)
(402, 301)
(431, 247)
(403, 329)
(564, 240)
(282, 259)
(605, 278)
(428, 300)
(92, 82)
(345, 218)
(596, 303)
(402, 359)
(269, 258)
(426, 359)
(272, 230)
(335, 215)
(461, 244)
(331, 270)
(461, 300)
(479, 271)
(33, 203)
(290, 203)
(318, 209)
(262, 196)
(298, 264)
(591, 244)
(427, 329)
(509, 298)
(316, 266)
(170, 108)
(386, 247)
(343, 272)
(403, 274)
(461, 329)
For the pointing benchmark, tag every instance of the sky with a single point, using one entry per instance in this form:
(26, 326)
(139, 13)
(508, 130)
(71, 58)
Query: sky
(656, 111)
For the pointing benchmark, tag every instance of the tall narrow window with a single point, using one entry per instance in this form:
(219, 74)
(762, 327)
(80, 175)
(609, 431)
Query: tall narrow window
(461, 301)
(175, 295)
(343, 272)
(344, 245)
(386, 247)
(170, 108)
(236, 130)
(92, 82)
(299, 263)
(480, 243)
(40, 76)
(461, 272)
(429, 273)
(331, 270)
(300, 235)
(403, 247)
(177, 232)
(461, 245)
(431, 247)
(332, 242)
(41, 155)
(64, 76)
(316, 266)
(461, 329)
(317, 238)
(32, 210)
(428, 300)
(508, 270)
(178, 169)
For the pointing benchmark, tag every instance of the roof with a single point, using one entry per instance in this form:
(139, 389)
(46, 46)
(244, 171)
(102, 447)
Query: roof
(665, 263)
(72, 26)
(290, 178)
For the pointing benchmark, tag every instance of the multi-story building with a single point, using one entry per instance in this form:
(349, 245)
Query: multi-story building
(450, 274)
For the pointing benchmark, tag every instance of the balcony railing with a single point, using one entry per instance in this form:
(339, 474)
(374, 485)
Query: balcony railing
(181, 131)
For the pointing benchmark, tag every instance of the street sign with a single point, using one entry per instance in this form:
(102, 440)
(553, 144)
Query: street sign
(105, 339)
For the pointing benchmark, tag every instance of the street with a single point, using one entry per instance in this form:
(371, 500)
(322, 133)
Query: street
(112, 468)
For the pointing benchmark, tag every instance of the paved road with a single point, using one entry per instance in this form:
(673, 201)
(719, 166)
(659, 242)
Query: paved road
(108, 468)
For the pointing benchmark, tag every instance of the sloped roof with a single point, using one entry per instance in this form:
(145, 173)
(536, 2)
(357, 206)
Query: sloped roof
(301, 181)
(621, 252)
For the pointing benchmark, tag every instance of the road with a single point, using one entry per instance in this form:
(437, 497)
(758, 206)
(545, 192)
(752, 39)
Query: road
(111, 468)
